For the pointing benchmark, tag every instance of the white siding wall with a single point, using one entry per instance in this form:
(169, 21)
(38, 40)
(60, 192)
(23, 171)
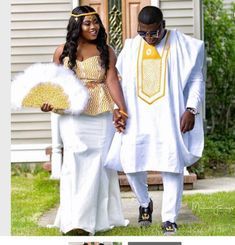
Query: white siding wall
(37, 28)
(183, 15)
(228, 5)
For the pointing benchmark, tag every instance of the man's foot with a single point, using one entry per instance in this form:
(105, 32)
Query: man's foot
(145, 215)
(169, 228)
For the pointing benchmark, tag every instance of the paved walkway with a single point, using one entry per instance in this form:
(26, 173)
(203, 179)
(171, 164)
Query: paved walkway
(130, 205)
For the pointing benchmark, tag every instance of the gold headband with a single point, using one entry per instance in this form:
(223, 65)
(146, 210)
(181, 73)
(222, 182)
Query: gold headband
(85, 14)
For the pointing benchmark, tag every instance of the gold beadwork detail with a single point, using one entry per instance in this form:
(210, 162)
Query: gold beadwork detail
(92, 75)
(46, 93)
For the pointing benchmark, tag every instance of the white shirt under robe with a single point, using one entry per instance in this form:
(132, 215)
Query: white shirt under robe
(153, 140)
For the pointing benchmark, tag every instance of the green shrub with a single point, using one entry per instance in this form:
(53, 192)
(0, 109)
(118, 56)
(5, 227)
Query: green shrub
(219, 35)
(218, 157)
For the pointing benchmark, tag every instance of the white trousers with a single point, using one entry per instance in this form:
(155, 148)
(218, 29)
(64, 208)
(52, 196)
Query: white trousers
(172, 194)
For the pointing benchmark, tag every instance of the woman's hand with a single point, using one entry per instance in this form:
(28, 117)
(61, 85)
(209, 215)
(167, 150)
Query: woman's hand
(119, 120)
(46, 107)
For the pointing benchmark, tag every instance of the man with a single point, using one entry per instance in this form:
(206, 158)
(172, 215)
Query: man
(163, 85)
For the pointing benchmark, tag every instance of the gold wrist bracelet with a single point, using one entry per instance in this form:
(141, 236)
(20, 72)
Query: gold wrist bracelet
(123, 113)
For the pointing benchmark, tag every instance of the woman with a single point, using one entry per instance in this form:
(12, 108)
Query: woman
(89, 193)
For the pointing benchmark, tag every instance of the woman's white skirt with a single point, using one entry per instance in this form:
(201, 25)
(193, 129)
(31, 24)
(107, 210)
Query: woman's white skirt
(89, 193)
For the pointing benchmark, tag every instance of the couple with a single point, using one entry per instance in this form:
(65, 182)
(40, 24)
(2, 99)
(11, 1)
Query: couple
(156, 117)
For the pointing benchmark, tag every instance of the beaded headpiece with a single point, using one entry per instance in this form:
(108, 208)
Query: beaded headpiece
(85, 14)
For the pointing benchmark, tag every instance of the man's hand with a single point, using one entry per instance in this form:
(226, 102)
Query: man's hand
(119, 121)
(187, 122)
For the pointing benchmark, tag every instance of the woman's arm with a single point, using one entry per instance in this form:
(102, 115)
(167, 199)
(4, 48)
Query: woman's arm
(113, 83)
(115, 90)
(57, 54)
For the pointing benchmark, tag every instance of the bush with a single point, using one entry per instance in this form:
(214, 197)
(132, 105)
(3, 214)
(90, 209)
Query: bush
(219, 32)
(218, 158)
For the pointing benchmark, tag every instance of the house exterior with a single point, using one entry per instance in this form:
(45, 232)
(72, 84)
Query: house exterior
(228, 4)
(39, 26)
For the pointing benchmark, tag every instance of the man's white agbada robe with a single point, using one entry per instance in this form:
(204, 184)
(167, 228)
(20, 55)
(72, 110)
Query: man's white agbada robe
(153, 140)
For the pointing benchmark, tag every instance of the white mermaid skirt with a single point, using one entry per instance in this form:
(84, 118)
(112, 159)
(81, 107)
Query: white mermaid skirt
(89, 193)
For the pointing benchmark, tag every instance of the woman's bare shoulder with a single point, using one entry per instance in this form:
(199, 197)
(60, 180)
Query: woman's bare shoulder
(60, 49)
(57, 53)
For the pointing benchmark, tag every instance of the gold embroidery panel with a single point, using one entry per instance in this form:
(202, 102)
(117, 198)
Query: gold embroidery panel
(151, 72)
(151, 80)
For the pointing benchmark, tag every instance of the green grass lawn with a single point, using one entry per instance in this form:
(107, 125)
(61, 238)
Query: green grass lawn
(32, 195)
(216, 213)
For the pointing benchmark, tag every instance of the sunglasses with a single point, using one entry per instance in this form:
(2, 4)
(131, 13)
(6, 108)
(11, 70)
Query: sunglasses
(149, 33)
(154, 34)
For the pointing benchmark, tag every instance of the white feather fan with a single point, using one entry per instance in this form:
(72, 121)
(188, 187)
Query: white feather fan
(50, 82)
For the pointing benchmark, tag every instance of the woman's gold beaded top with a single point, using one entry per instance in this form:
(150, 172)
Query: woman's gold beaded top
(90, 72)
(90, 69)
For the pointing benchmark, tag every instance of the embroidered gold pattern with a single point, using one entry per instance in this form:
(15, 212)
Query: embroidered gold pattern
(151, 71)
(92, 75)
